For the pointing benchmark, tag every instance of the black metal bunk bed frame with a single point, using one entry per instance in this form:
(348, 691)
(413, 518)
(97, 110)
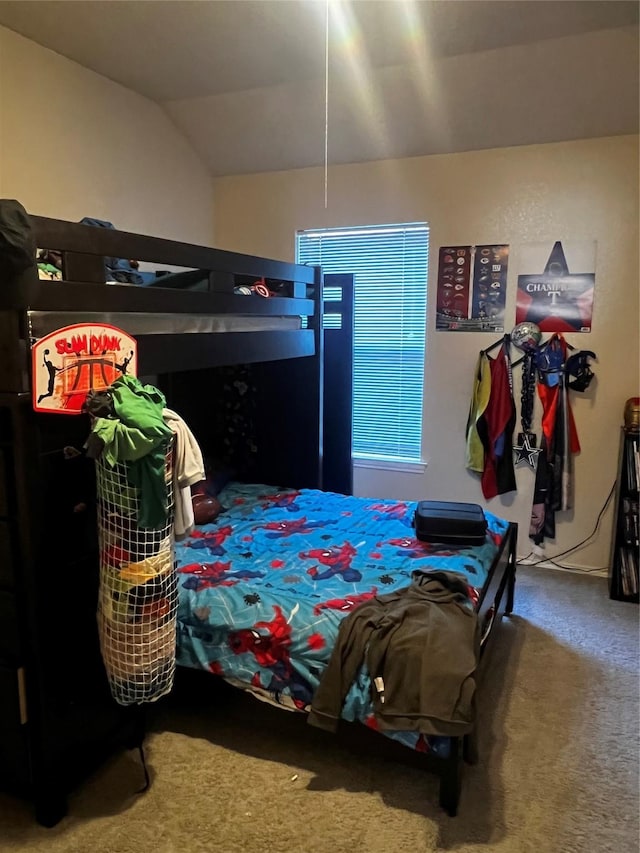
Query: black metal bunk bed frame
(56, 731)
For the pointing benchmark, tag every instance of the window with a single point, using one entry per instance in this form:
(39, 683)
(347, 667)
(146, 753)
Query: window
(389, 263)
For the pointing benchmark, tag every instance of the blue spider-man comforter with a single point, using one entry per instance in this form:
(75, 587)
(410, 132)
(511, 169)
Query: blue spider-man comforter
(263, 590)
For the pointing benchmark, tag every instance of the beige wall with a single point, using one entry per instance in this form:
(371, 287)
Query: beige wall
(575, 190)
(74, 144)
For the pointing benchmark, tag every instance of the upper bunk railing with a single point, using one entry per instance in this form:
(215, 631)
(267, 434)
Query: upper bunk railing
(84, 287)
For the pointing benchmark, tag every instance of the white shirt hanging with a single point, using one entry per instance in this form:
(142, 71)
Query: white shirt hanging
(188, 469)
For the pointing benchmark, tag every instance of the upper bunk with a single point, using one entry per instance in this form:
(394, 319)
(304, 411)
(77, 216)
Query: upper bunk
(193, 307)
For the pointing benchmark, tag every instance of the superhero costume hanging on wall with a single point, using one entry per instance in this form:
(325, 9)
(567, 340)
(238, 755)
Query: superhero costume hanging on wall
(474, 457)
(495, 427)
(553, 490)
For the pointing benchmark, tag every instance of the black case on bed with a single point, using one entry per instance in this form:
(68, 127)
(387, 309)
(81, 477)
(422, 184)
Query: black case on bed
(450, 522)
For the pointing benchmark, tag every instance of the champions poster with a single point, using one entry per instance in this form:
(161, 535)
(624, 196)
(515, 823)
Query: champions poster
(472, 288)
(70, 362)
(556, 291)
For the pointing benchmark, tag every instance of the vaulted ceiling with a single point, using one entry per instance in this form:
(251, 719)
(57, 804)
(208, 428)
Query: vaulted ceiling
(245, 80)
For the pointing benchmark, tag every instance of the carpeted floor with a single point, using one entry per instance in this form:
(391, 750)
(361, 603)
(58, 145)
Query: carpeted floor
(558, 771)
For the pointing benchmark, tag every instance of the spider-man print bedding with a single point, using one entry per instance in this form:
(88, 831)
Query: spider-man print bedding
(263, 589)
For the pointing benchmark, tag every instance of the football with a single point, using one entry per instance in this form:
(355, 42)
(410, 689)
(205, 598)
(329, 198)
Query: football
(205, 509)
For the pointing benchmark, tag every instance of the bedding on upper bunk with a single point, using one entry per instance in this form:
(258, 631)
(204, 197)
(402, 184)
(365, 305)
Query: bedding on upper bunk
(262, 592)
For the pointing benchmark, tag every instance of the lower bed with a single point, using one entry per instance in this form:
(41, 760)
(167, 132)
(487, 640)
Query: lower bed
(263, 590)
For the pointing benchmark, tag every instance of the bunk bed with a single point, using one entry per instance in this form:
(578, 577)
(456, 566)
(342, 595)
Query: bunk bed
(193, 326)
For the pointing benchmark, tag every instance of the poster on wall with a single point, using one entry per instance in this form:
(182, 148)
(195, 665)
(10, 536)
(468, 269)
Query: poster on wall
(556, 292)
(70, 362)
(489, 288)
(472, 288)
(452, 301)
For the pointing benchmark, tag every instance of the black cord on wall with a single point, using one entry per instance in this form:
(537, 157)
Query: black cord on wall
(552, 560)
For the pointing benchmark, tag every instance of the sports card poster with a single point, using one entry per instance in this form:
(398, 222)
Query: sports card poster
(556, 291)
(472, 288)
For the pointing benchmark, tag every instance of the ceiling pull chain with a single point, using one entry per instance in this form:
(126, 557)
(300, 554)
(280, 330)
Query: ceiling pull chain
(326, 107)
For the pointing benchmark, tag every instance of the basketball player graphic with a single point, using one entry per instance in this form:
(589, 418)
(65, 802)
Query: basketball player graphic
(52, 370)
(125, 363)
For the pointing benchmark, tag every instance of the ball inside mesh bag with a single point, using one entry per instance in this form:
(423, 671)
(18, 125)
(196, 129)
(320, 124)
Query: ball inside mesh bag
(526, 336)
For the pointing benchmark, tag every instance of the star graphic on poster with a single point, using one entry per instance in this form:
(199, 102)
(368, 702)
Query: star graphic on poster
(526, 450)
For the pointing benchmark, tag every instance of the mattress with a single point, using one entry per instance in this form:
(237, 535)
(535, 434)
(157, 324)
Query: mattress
(41, 323)
(263, 590)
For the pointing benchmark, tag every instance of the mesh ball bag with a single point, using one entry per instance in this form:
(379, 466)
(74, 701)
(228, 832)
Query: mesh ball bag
(138, 593)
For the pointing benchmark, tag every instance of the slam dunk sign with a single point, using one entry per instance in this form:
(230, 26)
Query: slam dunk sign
(72, 361)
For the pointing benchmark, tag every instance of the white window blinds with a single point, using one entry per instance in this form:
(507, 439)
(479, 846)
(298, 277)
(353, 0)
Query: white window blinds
(390, 264)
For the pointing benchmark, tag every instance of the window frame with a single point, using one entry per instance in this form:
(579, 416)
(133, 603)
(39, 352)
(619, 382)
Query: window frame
(373, 459)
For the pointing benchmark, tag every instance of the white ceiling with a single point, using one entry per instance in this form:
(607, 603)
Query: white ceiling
(244, 80)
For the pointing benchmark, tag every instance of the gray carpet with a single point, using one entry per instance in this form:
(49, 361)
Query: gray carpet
(558, 769)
